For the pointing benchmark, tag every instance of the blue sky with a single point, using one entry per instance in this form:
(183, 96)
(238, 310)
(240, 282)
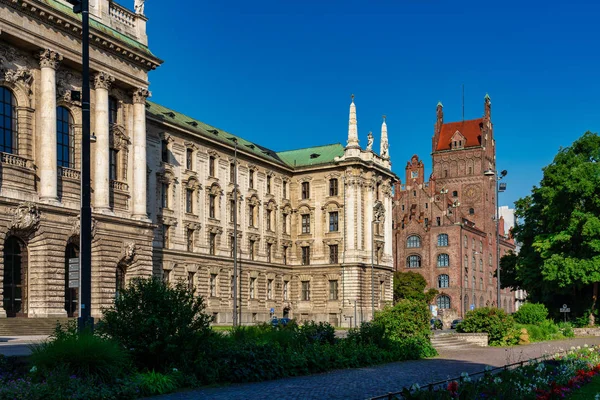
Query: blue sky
(280, 73)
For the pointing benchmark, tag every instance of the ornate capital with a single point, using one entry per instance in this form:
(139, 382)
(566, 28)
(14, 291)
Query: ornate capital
(103, 80)
(50, 58)
(140, 95)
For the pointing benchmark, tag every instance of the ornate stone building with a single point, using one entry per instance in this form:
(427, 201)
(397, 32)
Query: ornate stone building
(444, 228)
(162, 187)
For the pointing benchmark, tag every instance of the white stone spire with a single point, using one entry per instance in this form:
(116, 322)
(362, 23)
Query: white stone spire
(384, 140)
(352, 126)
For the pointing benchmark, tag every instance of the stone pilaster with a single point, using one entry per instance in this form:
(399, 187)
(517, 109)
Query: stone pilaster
(370, 202)
(49, 61)
(139, 153)
(102, 82)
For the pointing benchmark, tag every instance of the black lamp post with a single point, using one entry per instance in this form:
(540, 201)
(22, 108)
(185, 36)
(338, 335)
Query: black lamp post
(85, 235)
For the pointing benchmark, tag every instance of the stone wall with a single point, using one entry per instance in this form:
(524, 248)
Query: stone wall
(586, 331)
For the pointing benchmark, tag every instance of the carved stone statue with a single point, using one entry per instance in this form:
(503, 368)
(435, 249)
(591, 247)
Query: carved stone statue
(378, 211)
(129, 252)
(370, 142)
(139, 6)
(26, 218)
(384, 153)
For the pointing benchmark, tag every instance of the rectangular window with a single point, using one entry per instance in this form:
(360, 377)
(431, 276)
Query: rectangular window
(305, 223)
(164, 195)
(333, 290)
(189, 158)
(251, 249)
(211, 206)
(438, 221)
(333, 187)
(305, 255)
(333, 221)
(213, 285)
(333, 254)
(165, 236)
(212, 243)
(426, 222)
(164, 151)
(305, 190)
(268, 184)
(252, 288)
(285, 290)
(270, 289)
(381, 291)
(306, 290)
(113, 110)
(190, 240)
(269, 213)
(190, 281)
(211, 166)
(269, 247)
(251, 179)
(251, 214)
(231, 210)
(189, 201)
(113, 167)
(285, 250)
(232, 246)
(231, 172)
(284, 223)
(284, 189)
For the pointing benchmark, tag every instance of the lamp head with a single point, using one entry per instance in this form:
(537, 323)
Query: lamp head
(503, 173)
(489, 172)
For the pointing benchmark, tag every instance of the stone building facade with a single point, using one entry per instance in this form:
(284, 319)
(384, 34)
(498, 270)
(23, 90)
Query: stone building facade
(162, 187)
(444, 228)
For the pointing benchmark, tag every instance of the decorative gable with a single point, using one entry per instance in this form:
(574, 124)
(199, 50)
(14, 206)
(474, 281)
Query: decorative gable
(457, 141)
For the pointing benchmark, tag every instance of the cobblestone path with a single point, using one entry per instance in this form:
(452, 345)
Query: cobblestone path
(362, 383)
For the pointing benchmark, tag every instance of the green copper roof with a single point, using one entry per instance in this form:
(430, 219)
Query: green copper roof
(100, 27)
(292, 158)
(312, 155)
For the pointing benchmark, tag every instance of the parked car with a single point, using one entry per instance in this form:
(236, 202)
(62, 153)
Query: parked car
(455, 323)
(436, 323)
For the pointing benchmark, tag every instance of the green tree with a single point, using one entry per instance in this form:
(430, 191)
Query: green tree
(411, 285)
(560, 230)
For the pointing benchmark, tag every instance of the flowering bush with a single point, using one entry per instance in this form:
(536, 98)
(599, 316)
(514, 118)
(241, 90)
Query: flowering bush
(551, 378)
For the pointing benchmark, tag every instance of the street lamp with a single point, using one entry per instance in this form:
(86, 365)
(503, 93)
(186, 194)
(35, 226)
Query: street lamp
(235, 255)
(378, 212)
(85, 234)
(499, 187)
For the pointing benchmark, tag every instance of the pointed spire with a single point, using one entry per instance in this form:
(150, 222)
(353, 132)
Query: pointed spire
(487, 106)
(384, 151)
(352, 126)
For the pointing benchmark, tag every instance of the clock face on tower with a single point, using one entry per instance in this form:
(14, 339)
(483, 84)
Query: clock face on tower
(471, 193)
(414, 174)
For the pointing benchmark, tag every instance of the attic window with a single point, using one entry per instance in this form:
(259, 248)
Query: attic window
(216, 132)
(170, 114)
(147, 105)
(315, 155)
(251, 146)
(193, 123)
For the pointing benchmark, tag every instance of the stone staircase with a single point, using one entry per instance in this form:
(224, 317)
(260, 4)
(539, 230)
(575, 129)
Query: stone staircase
(29, 326)
(443, 341)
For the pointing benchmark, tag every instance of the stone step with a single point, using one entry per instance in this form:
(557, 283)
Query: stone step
(30, 326)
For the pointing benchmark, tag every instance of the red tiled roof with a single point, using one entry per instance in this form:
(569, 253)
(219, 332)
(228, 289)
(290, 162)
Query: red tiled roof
(469, 129)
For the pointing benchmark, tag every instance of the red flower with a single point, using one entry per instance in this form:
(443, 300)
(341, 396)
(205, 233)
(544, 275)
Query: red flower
(453, 387)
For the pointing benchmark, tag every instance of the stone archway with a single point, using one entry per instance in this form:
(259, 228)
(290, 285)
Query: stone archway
(15, 277)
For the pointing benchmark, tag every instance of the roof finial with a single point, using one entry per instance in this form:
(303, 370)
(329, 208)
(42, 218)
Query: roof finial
(352, 126)
(352, 96)
(384, 144)
(383, 117)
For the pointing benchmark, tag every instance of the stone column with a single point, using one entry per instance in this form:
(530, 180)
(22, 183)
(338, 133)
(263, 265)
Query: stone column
(369, 203)
(388, 231)
(349, 209)
(49, 61)
(102, 82)
(139, 153)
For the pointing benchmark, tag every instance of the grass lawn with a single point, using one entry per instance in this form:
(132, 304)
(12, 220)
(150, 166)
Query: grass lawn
(587, 392)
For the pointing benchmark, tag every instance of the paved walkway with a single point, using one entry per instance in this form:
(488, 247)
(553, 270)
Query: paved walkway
(18, 345)
(363, 383)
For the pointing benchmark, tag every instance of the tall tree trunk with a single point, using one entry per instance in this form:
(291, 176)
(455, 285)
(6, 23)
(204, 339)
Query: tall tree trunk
(594, 298)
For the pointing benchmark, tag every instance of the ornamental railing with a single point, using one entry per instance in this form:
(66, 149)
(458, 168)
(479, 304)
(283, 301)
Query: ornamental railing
(442, 384)
(120, 186)
(12, 159)
(122, 15)
(70, 173)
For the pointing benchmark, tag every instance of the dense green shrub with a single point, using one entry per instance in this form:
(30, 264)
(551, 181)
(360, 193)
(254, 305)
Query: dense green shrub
(162, 325)
(499, 326)
(154, 383)
(407, 318)
(531, 313)
(321, 332)
(566, 328)
(369, 334)
(84, 355)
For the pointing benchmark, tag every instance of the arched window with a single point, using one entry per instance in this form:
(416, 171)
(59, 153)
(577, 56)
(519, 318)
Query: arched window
(443, 281)
(443, 260)
(8, 121)
(15, 277)
(471, 211)
(65, 139)
(71, 294)
(474, 280)
(466, 305)
(481, 302)
(442, 239)
(466, 241)
(466, 263)
(413, 261)
(413, 241)
(481, 265)
(443, 302)
(120, 279)
(480, 283)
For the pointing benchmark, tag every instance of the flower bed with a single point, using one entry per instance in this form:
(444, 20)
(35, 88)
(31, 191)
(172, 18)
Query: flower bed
(550, 378)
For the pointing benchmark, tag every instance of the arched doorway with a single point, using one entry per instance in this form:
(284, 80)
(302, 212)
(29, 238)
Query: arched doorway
(120, 279)
(15, 277)
(71, 294)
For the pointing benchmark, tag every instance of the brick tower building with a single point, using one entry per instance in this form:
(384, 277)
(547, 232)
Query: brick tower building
(444, 228)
